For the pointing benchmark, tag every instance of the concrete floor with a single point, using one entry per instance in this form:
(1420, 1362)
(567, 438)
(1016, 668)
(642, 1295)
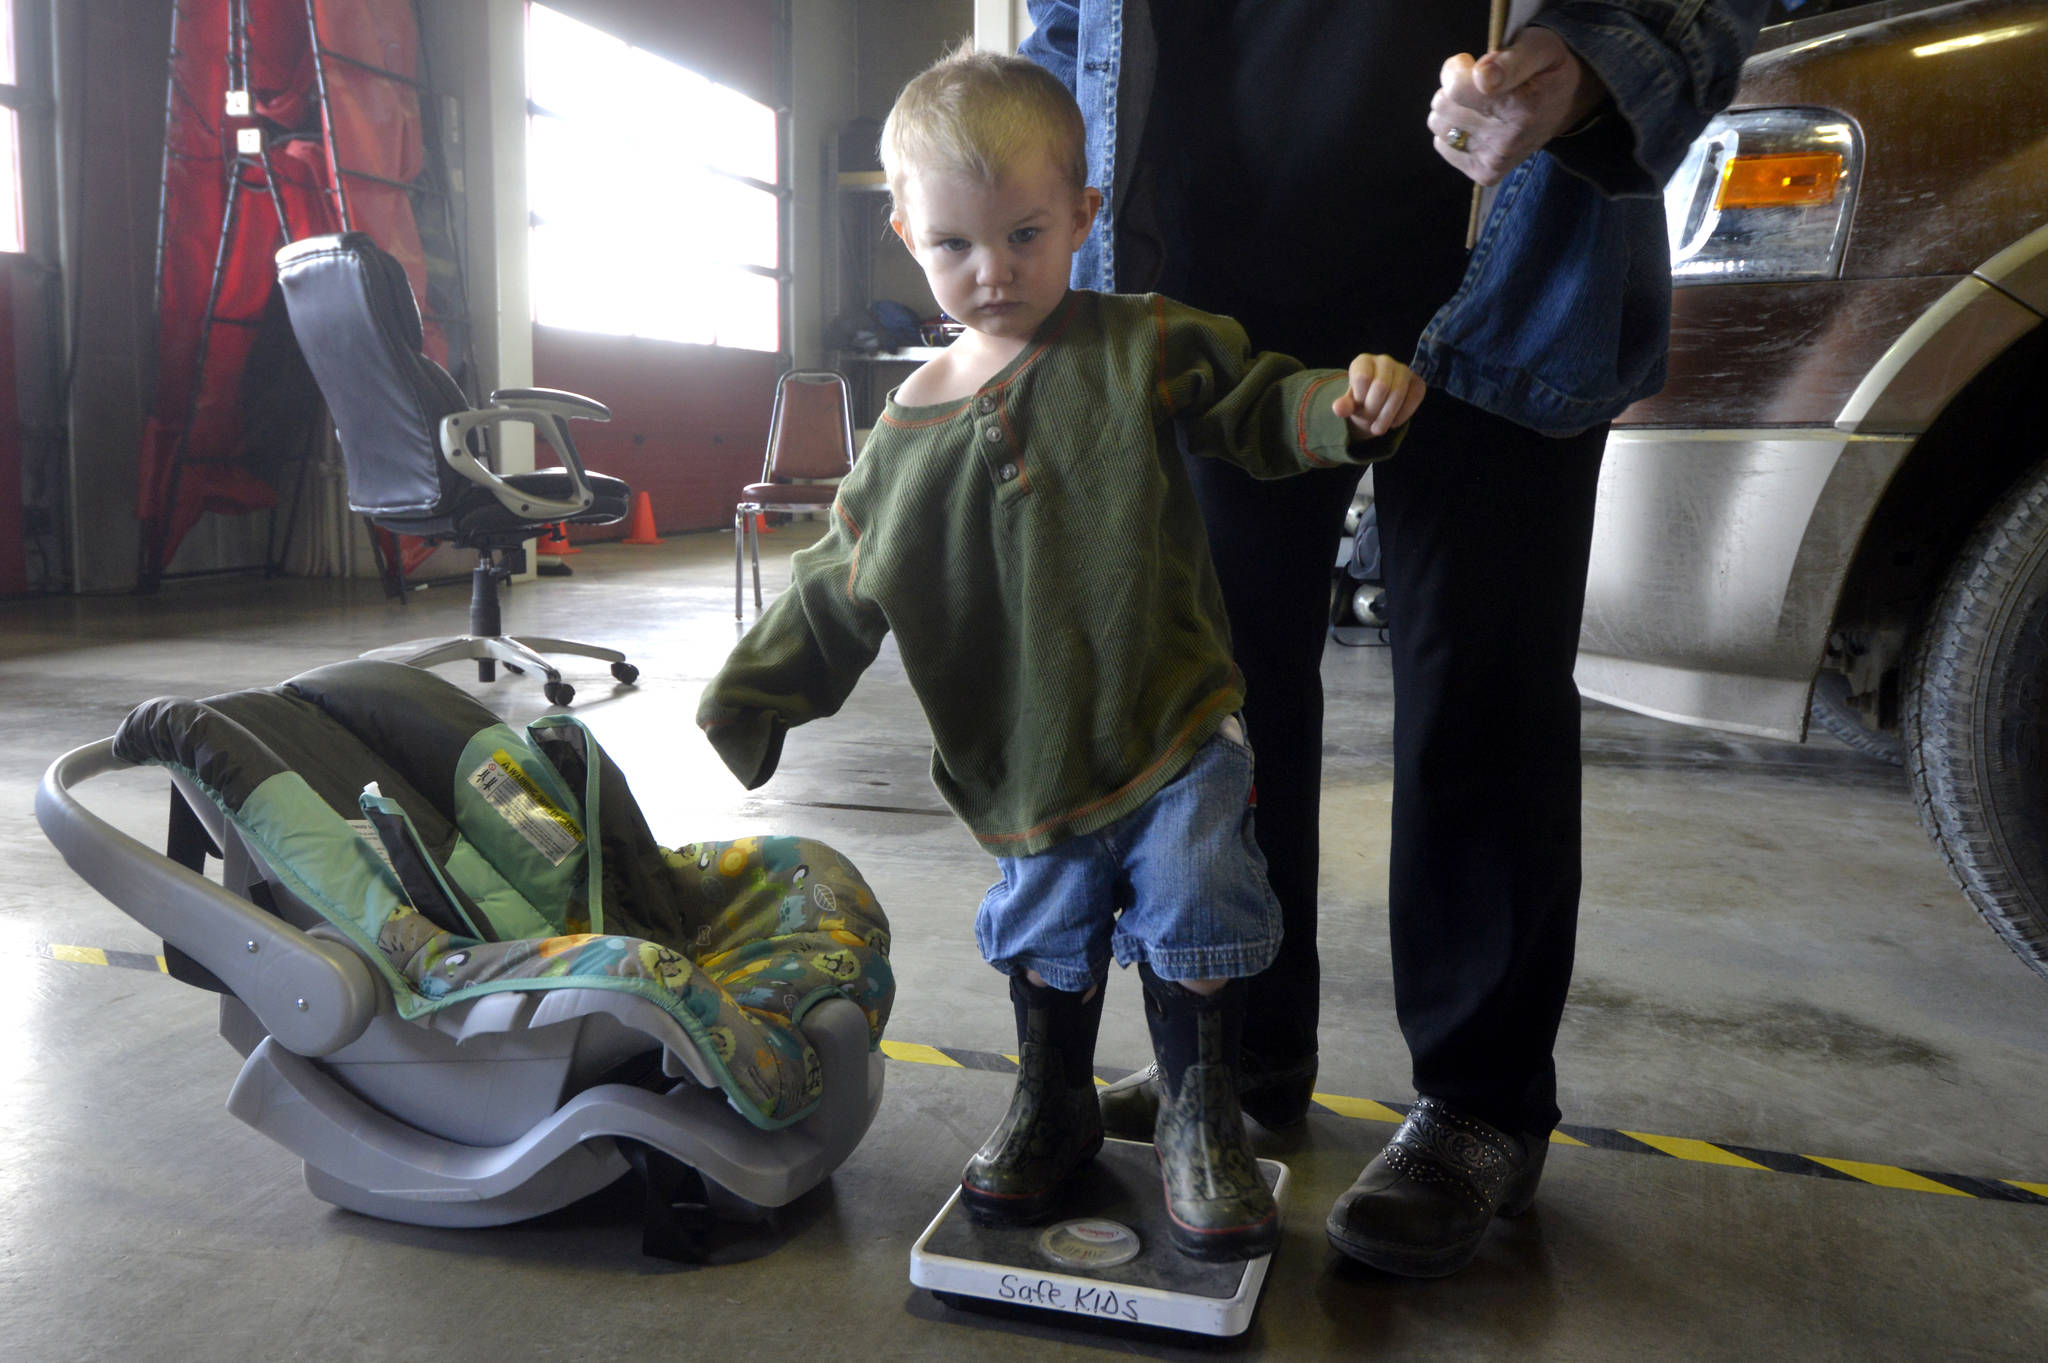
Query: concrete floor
(1771, 958)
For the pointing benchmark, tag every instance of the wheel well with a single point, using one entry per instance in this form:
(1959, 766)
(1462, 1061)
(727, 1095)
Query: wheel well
(1987, 436)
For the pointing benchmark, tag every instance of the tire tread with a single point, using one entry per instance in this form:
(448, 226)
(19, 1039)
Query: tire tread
(1997, 856)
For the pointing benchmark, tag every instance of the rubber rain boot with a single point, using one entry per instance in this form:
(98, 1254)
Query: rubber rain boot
(1052, 1127)
(1218, 1205)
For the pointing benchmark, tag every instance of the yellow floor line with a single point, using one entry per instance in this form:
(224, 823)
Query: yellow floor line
(1699, 1152)
(918, 1053)
(1887, 1176)
(58, 951)
(1365, 1109)
(1677, 1147)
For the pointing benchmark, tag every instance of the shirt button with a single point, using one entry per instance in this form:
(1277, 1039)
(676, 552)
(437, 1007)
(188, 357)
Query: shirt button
(986, 403)
(1009, 472)
(993, 435)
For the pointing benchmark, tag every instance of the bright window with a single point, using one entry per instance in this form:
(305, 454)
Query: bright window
(12, 236)
(653, 193)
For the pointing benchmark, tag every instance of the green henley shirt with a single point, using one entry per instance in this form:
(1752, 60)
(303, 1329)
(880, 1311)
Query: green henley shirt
(1037, 552)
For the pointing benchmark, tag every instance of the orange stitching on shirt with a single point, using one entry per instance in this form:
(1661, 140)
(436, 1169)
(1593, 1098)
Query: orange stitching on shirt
(1159, 369)
(852, 568)
(1017, 455)
(1301, 424)
(938, 420)
(1066, 317)
(1179, 741)
(1070, 306)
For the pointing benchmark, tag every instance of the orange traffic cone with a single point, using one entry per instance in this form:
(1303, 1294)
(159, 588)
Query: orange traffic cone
(555, 541)
(640, 525)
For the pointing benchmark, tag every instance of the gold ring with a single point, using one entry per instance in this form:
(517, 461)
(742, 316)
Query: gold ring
(1457, 138)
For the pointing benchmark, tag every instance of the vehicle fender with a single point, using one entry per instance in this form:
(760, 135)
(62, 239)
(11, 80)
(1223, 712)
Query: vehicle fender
(1950, 343)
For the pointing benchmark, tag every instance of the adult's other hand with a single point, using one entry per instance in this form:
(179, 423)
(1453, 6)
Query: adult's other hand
(1493, 112)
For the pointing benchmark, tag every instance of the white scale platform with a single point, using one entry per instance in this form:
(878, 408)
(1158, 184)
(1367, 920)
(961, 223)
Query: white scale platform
(1073, 1264)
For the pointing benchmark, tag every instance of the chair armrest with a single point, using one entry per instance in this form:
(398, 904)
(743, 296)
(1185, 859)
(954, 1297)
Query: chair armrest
(314, 996)
(548, 411)
(553, 401)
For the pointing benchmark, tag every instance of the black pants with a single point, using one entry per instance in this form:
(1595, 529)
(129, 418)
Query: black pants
(1485, 529)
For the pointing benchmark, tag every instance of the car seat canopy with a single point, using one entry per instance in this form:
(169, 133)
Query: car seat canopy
(466, 858)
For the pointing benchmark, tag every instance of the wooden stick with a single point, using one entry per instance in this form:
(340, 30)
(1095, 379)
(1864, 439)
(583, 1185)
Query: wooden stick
(1496, 28)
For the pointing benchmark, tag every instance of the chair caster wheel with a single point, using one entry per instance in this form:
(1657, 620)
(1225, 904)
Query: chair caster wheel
(626, 672)
(559, 693)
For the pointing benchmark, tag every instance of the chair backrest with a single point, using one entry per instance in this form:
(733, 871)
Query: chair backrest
(810, 434)
(357, 322)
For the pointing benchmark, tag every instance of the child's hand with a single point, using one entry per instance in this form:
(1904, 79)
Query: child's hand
(1383, 393)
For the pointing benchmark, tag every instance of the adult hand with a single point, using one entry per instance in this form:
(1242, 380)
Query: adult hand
(1492, 113)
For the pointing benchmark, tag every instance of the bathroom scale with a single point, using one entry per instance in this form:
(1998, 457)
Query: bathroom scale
(1104, 1254)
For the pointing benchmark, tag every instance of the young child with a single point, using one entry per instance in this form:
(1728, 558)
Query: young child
(1021, 522)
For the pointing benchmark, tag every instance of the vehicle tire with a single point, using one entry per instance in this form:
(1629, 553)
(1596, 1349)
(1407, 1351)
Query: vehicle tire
(1975, 704)
(1833, 711)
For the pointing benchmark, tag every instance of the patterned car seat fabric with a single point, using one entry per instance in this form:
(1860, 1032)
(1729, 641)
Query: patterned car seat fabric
(464, 858)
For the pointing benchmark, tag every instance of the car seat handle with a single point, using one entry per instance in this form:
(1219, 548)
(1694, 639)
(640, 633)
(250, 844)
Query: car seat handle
(313, 996)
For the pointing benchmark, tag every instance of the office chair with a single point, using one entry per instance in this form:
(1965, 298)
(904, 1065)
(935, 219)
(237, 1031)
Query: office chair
(416, 454)
(810, 435)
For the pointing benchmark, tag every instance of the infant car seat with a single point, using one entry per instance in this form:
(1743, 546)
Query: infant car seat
(468, 984)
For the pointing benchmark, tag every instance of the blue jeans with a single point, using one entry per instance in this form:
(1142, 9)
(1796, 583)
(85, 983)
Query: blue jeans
(1177, 883)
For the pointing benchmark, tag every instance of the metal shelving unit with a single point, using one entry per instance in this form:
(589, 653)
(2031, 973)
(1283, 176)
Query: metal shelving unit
(856, 205)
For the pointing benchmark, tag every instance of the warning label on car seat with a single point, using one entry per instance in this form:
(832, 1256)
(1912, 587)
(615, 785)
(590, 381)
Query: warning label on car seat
(552, 831)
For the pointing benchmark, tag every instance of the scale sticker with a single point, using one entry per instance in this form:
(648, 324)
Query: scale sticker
(1090, 1242)
(510, 791)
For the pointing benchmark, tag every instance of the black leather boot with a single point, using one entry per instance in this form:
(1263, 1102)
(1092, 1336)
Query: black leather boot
(1274, 1096)
(1423, 1204)
(1218, 1206)
(1052, 1127)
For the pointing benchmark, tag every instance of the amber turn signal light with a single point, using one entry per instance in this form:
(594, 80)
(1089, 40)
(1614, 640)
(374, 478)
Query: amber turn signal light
(1767, 181)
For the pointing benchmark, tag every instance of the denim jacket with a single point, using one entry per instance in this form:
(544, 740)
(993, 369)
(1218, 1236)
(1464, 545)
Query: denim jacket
(1563, 316)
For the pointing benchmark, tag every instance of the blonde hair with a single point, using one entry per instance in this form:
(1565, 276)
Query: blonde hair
(982, 114)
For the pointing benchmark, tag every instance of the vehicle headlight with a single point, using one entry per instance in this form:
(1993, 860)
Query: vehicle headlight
(1764, 194)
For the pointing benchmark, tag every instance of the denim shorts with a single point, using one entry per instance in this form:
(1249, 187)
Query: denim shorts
(1177, 883)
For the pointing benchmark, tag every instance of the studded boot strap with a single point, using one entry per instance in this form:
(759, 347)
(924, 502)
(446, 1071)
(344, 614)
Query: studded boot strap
(1436, 1145)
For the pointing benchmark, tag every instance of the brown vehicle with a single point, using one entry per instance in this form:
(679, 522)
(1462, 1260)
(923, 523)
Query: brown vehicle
(1838, 506)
